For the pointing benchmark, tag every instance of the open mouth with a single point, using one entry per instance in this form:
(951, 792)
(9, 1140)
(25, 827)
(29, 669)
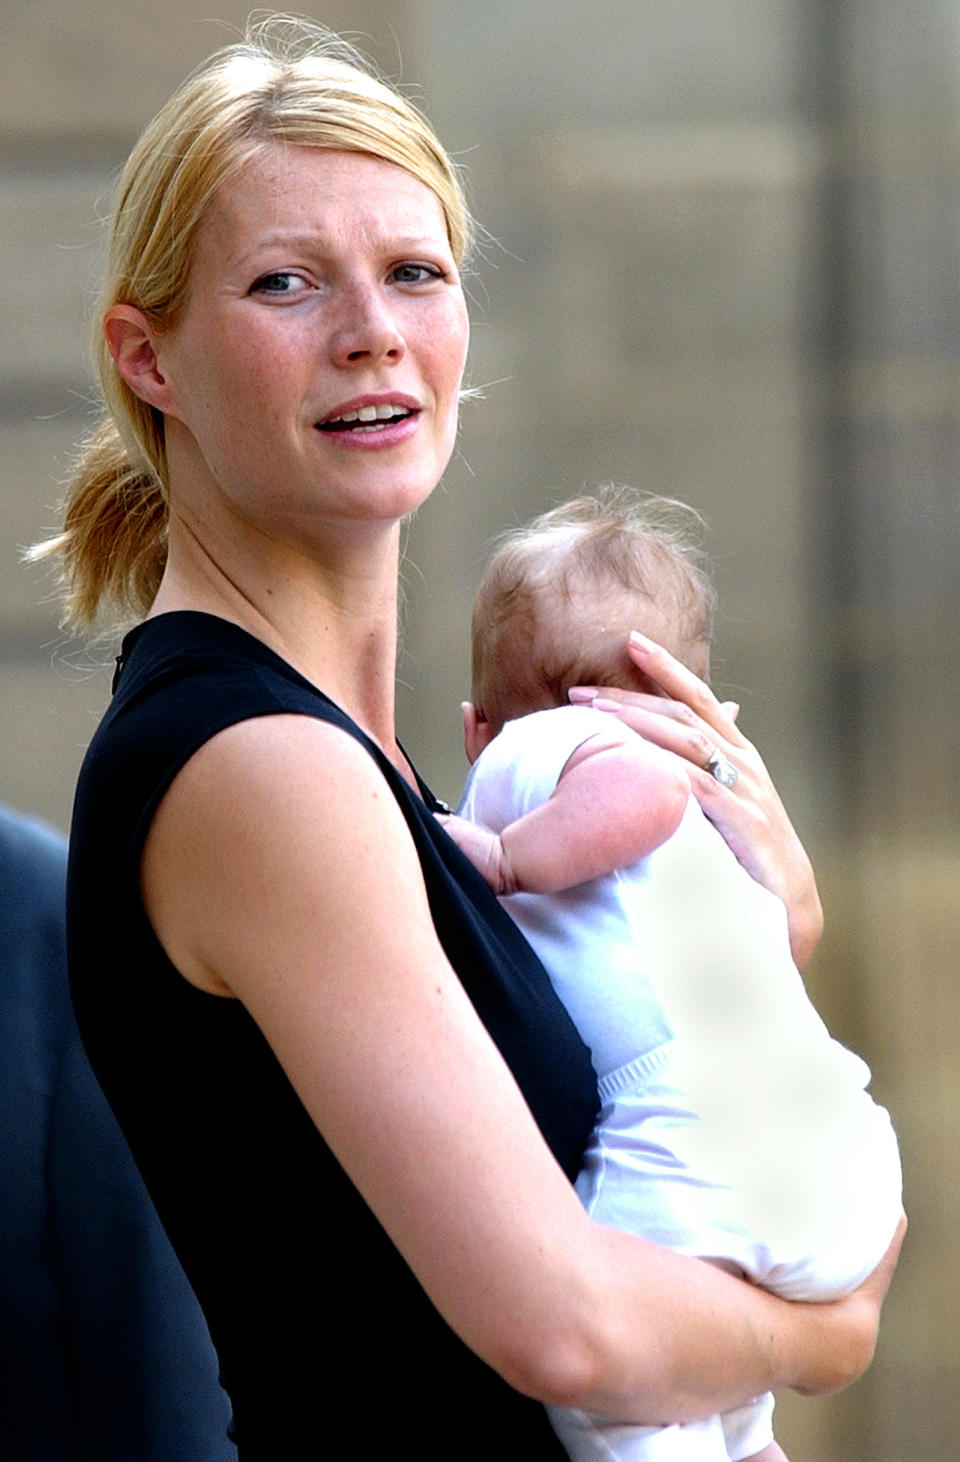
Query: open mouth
(366, 419)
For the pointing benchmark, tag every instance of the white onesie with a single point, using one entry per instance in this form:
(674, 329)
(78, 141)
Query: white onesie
(732, 1127)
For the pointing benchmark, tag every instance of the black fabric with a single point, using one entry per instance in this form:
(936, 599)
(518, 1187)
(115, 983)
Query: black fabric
(327, 1344)
(104, 1355)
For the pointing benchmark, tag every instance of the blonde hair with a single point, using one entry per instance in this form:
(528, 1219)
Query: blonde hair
(288, 82)
(550, 614)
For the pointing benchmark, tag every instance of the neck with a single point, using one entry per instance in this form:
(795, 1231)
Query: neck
(333, 616)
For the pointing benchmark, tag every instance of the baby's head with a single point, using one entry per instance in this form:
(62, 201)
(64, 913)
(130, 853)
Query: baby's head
(559, 596)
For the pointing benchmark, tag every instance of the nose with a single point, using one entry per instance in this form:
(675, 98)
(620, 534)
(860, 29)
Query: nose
(368, 329)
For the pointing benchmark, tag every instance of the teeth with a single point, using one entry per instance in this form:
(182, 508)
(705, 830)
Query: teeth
(384, 412)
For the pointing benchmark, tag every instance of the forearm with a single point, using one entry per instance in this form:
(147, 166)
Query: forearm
(702, 1341)
(616, 800)
(518, 860)
(547, 851)
(386, 1051)
(529, 856)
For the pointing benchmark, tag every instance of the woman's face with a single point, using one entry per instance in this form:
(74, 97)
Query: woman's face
(313, 375)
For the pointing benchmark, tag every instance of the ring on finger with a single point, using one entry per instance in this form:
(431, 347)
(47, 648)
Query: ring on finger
(721, 768)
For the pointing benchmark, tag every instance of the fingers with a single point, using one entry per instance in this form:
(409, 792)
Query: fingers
(865, 1304)
(686, 700)
(689, 721)
(722, 769)
(680, 684)
(676, 728)
(879, 1281)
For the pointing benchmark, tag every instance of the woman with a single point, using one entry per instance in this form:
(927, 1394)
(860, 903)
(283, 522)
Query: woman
(355, 1101)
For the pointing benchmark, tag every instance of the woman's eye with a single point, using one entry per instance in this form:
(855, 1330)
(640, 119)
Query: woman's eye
(282, 281)
(416, 273)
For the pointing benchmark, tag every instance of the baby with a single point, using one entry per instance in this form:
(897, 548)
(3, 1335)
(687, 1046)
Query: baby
(731, 1126)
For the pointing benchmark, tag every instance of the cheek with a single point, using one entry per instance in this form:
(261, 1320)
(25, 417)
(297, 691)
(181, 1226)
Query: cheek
(462, 338)
(223, 397)
(221, 360)
(449, 357)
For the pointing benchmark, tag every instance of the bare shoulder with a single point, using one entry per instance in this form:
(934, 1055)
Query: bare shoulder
(269, 810)
(280, 871)
(625, 773)
(619, 740)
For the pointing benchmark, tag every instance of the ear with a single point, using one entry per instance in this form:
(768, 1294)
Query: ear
(132, 341)
(477, 733)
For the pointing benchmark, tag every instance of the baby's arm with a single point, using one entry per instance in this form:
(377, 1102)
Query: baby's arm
(616, 800)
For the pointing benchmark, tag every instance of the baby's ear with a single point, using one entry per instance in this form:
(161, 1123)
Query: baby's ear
(477, 733)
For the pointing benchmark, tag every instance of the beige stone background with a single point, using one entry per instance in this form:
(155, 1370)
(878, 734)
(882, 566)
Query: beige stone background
(726, 267)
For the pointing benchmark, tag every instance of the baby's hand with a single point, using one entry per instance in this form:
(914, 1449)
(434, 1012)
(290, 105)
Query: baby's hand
(484, 849)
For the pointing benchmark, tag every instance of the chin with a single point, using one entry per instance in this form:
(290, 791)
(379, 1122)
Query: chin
(402, 497)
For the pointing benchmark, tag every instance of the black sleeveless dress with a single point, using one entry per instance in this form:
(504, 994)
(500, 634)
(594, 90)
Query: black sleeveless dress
(328, 1347)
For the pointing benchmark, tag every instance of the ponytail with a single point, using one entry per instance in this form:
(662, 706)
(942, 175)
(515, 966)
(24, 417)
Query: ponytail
(114, 540)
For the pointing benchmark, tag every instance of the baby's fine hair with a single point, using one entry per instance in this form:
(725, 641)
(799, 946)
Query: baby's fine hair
(559, 596)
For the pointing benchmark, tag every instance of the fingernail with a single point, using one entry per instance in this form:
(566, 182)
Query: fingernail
(640, 641)
(582, 695)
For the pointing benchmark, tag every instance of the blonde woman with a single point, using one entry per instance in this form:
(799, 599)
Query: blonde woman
(354, 1098)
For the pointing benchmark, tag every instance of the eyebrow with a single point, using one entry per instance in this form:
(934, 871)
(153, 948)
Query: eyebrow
(314, 242)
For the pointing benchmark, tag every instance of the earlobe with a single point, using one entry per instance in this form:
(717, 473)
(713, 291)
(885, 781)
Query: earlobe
(132, 341)
(477, 732)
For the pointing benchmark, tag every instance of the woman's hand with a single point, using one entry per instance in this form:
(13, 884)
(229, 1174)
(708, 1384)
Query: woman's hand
(687, 719)
(854, 1322)
(250, 877)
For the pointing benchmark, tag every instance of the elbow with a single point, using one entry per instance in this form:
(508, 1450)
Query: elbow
(587, 1339)
(578, 1375)
(557, 1370)
(662, 782)
(552, 1348)
(579, 1362)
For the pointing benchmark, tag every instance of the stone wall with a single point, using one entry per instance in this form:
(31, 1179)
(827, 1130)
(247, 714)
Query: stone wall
(721, 263)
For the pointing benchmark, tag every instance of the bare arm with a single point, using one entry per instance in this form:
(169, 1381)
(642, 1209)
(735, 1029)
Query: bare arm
(689, 721)
(616, 800)
(253, 865)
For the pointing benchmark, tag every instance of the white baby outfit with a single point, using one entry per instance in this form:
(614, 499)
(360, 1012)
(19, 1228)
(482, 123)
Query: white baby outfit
(732, 1127)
